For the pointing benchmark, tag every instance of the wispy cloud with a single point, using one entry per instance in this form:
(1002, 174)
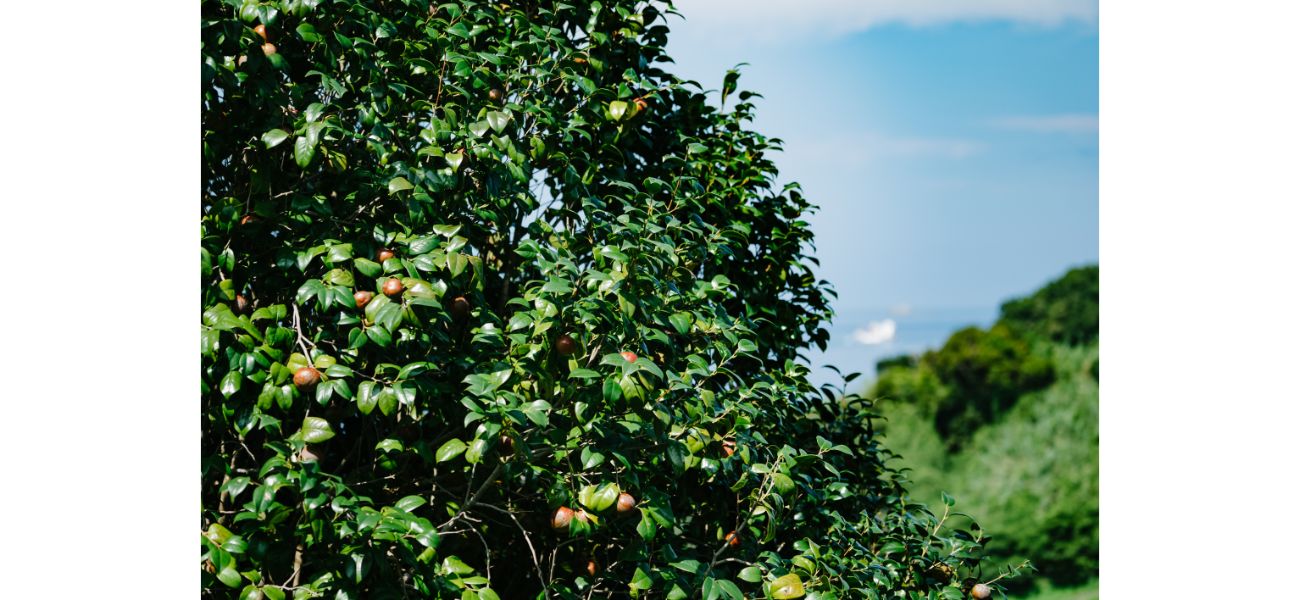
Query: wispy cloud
(861, 148)
(1070, 123)
(781, 19)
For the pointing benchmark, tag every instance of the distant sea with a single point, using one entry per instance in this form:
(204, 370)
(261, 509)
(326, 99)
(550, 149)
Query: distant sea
(913, 331)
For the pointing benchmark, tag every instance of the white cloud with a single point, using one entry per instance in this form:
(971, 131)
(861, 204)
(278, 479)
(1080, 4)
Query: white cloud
(876, 333)
(1077, 123)
(781, 19)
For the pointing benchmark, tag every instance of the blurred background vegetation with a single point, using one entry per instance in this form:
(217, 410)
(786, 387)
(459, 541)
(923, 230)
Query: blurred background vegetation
(1005, 420)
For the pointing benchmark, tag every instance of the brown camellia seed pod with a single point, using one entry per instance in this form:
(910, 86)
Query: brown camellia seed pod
(393, 287)
(268, 49)
(733, 539)
(460, 307)
(566, 345)
(981, 591)
(561, 518)
(385, 254)
(363, 298)
(507, 444)
(306, 377)
(628, 355)
(308, 455)
(241, 304)
(625, 502)
(495, 95)
(592, 568)
(728, 447)
(641, 104)
(261, 30)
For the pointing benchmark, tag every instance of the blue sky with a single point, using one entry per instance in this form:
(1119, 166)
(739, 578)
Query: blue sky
(951, 144)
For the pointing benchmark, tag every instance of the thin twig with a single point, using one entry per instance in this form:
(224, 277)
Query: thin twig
(536, 563)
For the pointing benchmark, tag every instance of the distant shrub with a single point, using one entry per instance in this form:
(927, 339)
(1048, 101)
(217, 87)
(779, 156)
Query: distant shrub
(984, 373)
(902, 360)
(1066, 310)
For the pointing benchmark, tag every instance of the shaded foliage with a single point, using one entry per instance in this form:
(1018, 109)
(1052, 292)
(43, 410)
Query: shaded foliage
(984, 373)
(406, 207)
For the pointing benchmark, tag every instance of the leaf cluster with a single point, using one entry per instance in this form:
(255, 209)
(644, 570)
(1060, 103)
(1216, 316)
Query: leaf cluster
(416, 201)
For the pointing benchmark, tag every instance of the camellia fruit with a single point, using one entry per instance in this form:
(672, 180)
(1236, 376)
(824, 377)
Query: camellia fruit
(268, 49)
(393, 287)
(385, 254)
(981, 591)
(628, 355)
(733, 539)
(460, 307)
(306, 377)
(241, 304)
(561, 518)
(261, 30)
(495, 95)
(308, 455)
(626, 502)
(363, 298)
(591, 568)
(566, 345)
(507, 444)
(728, 447)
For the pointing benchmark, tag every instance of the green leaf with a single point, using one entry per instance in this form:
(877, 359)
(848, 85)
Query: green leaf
(366, 398)
(688, 565)
(751, 574)
(231, 383)
(786, 587)
(599, 498)
(681, 322)
(274, 137)
(454, 159)
(455, 565)
(387, 401)
(450, 449)
(646, 527)
(410, 503)
(303, 151)
(474, 453)
(398, 184)
(729, 589)
(617, 109)
(782, 483)
(497, 120)
(316, 430)
(308, 33)
(640, 580)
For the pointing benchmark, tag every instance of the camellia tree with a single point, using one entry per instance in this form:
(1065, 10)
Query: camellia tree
(494, 306)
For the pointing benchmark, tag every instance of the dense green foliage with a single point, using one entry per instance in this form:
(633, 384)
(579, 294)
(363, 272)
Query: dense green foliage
(466, 264)
(984, 373)
(1066, 310)
(1030, 473)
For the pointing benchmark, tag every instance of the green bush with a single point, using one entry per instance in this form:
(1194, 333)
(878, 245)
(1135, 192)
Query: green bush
(467, 265)
(1066, 310)
(984, 373)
